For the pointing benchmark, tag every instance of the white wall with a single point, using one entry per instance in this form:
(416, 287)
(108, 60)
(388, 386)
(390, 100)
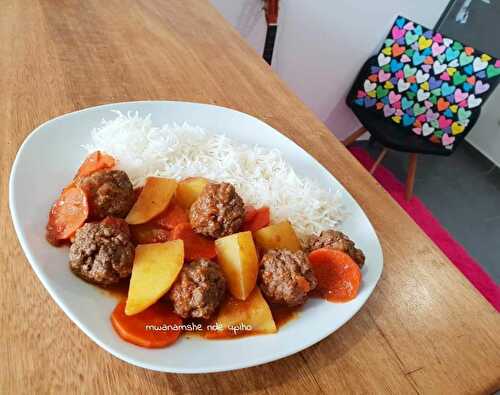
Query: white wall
(321, 45)
(248, 18)
(485, 135)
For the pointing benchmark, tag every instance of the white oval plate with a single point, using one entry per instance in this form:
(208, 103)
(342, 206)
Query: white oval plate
(49, 157)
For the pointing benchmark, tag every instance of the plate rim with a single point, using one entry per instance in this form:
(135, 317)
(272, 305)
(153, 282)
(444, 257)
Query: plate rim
(81, 325)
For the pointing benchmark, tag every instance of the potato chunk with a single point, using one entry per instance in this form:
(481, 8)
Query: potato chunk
(254, 312)
(154, 198)
(155, 269)
(189, 189)
(238, 259)
(277, 236)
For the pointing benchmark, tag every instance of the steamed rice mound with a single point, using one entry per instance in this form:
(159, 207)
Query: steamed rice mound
(261, 176)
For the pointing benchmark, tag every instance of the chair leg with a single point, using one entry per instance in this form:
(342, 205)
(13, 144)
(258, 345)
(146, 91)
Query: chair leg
(354, 136)
(379, 159)
(410, 177)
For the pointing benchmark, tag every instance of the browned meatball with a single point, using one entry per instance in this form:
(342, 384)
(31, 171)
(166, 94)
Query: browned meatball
(109, 192)
(336, 241)
(101, 254)
(218, 211)
(286, 277)
(198, 290)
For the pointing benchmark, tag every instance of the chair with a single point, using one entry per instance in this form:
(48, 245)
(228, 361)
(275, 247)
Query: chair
(421, 94)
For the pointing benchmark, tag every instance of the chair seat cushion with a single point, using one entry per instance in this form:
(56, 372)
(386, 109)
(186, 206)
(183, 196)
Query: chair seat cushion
(422, 83)
(392, 136)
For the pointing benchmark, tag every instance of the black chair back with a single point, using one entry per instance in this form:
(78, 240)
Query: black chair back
(422, 92)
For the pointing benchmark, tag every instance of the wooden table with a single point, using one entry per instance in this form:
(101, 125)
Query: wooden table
(424, 330)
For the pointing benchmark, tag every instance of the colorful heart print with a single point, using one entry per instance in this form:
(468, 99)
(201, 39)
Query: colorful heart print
(396, 65)
(458, 78)
(403, 85)
(478, 64)
(383, 60)
(422, 77)
(409, 71)
(439, 67)
(369, 102)
(467, 87)
(389, 111)
(383, 76)
(419, 109)
(427, 129)
(474, 101)
(451, 54)
(394, 97)
(410, 37)
(405, 58)
(381, 91)
(457, 128)
(408, 120)
(422, 95)
(418, 58)
(427, 82)
(447, 140)
(369, 86)
(437, 49)
(406, 103)
(492, 71)
(444, 122)
(465, 59)
(447, 89)
(481, 87)
(397, 50)
(460, 96)
(469, 69)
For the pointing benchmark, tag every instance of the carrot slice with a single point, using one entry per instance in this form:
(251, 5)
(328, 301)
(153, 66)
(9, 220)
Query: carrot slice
(94, 162)
(339, 277)
(68, 213)
(157, 326)
(159, 228)
(250, 212)
(195, 245)
(171, 217)
(260, 220)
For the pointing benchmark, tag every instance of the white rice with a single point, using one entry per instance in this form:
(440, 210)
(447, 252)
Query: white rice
(261, 176)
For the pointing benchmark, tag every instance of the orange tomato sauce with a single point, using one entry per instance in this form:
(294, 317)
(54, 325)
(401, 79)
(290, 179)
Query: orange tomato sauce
(281, 314)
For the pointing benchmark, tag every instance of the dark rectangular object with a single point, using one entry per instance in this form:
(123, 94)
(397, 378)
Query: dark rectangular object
(269, 45)
(475, 22)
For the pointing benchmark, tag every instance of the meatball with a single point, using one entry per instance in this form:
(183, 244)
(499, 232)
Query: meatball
(218, 211)
(102, 254)
(286, 277)
(336, 241)
(109, 192)
(198, 290)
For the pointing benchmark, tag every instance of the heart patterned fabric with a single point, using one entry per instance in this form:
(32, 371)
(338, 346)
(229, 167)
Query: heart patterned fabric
(427, 83)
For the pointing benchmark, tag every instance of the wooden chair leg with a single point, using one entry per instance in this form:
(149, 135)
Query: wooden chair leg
(410, 177)
(354, 136)
(379, 159)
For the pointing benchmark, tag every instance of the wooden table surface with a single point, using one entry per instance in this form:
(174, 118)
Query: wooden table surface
(425, 329)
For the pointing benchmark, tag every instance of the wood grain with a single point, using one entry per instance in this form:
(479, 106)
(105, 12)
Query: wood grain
(424, 330)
